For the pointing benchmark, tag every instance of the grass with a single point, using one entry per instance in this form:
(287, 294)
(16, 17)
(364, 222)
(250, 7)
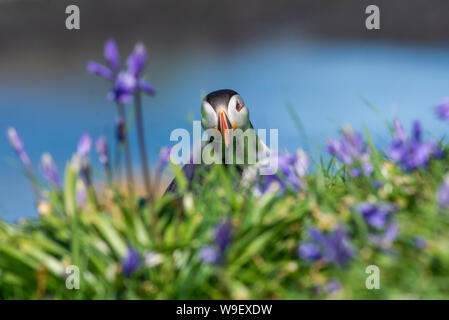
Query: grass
(261, 261)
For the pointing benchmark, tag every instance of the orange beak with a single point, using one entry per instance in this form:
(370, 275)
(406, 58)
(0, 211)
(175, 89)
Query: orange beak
(225, 125)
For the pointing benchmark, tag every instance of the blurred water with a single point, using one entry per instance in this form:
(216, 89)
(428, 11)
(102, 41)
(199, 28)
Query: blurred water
(324, 83)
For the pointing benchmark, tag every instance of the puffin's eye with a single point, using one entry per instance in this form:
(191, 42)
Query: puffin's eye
(238, 106)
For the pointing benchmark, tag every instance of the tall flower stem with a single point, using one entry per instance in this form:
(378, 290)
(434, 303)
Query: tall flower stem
(128, 161)
(142, 148)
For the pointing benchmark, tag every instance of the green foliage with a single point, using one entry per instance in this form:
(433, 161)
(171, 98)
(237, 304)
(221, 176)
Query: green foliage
(261, 261)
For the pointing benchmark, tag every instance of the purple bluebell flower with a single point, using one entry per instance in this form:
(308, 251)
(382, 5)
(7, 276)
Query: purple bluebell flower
(213, 254)
(292, 169)
(353, 152)
(112, 58)
(379, 218)
(131, 262)
(210, 255)
(49, 169)
(136, 64)
(164, 157)
(411, 153)
(384, 240)
(376, 216)
(420, 242)
(223, 235)
(84, 145)
(443, 193)
(17, 145)
(333, 247)
(442, 110)
(309, 251)
(124, 87)
(102, 150)
(333, 286)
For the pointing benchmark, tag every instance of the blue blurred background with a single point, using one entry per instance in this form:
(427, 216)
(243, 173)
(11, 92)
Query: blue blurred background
(314, 57)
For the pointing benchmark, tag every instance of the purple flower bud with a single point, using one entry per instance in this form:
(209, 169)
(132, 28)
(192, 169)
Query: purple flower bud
(382, 229)
(223, 235)
(333, 247)
(17, 145)
(309, 251)
(84, 145)
(131, 262)
(333, 286)
(120, 130)
(137, 60)
(411, 153)
(376, 215)
(102, 150)
(100, 70)
(112, 55)
(292, 170)
(399, 130)
(353, 152)
(49, 169)
(146, 87)
(210, 255)
(377, 184)
(420, 242)
(442, 110)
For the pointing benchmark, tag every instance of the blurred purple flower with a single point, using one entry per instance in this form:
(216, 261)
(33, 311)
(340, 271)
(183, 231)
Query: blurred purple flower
(120, 130)
(17, 145)
(377, 184)
(411, 153)
(102, 150)
(210, 255)
(352, 151)
(49, 169)
(310, 251)
(223, 235)
(379, 217)
(292, 168)
(112, 57)
(213, 254)
(332, 286)
(164, 157)
(333, 247)
(131, 262)
(443, 193)
(420, 242)
(442, 110)
(376, 216)
(385, 239)
(124, 87)
(136, 64)
(84, 145)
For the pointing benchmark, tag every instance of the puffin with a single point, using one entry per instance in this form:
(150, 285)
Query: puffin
(222, 113)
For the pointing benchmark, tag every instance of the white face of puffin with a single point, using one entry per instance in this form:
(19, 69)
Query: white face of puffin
(236, 111)
(209, 118)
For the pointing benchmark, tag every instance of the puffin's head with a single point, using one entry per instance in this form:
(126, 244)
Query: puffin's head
(224, 110)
